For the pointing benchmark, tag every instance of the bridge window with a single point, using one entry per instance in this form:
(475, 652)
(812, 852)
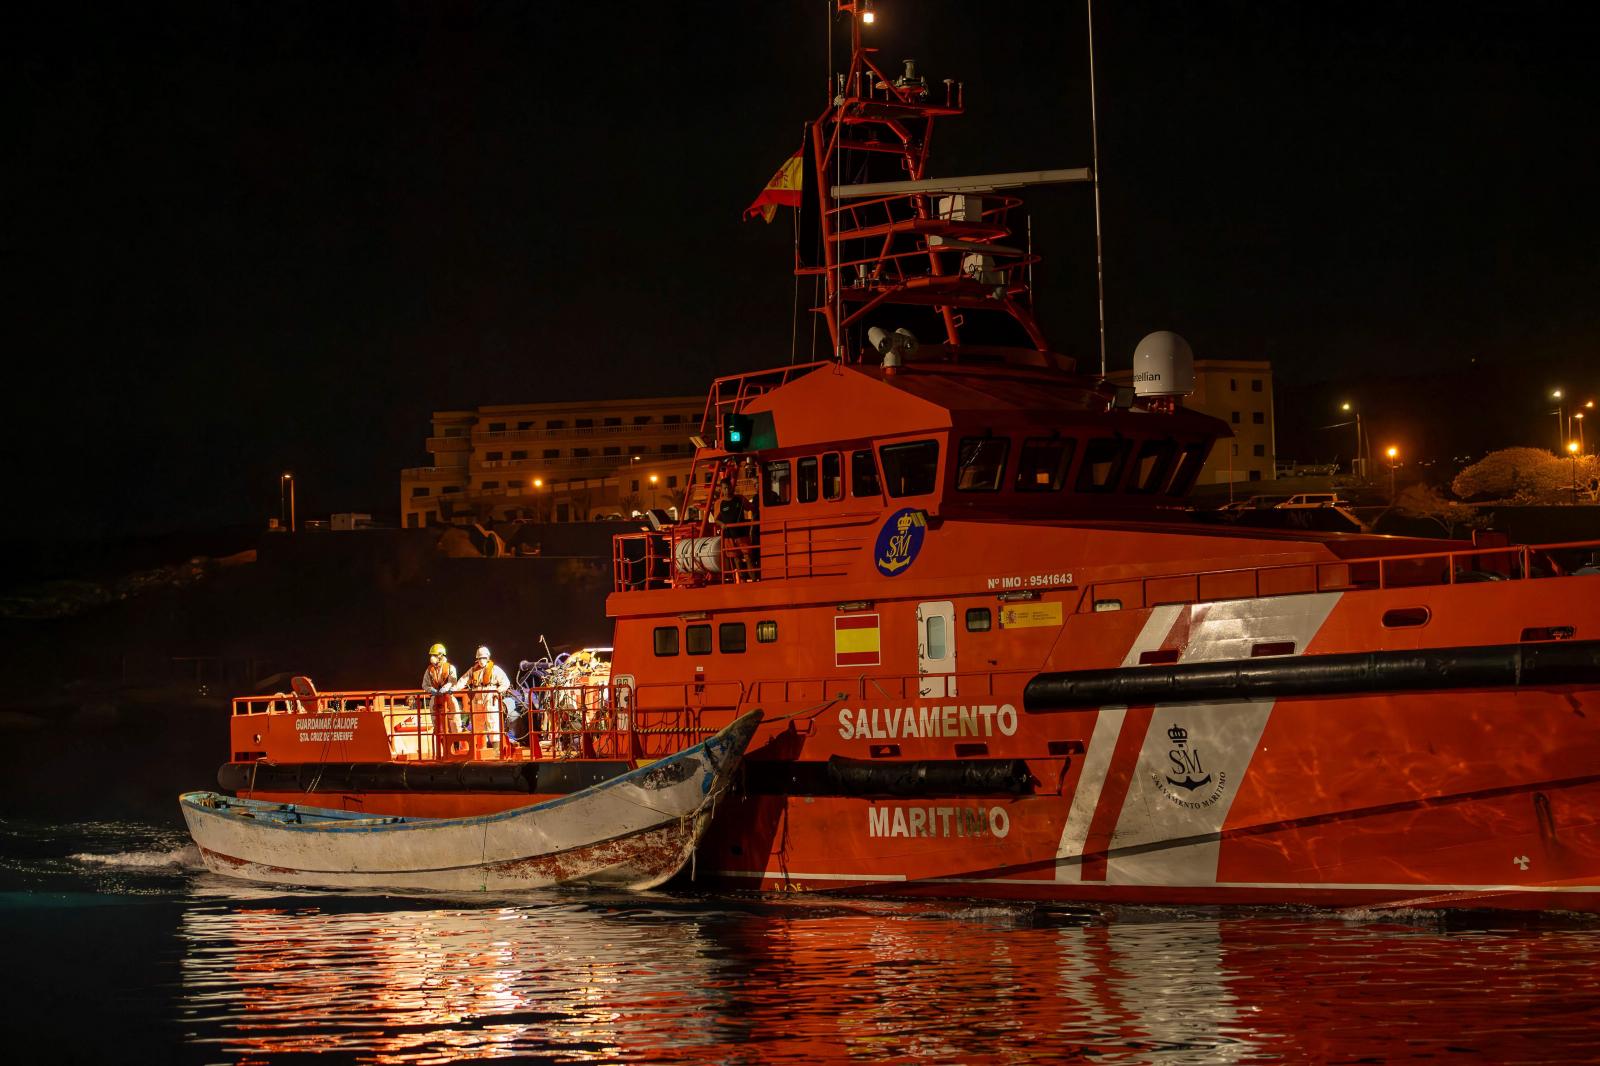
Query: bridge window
(1194, 457)
(832, 476)
(1042, 466)
(979, 620)
(805, 480)
(981, 463)
(666, 640)
(775, 486)
(1153, 468)
(863, 475)
(910, 469)
(1103, 460)
(697, 640)
(730, 637)
(767, 632)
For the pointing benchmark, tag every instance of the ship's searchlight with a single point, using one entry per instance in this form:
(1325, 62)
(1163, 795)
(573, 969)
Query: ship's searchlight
(894, 347)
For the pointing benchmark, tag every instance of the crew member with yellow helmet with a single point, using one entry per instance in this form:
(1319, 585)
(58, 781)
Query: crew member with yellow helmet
(437, 680)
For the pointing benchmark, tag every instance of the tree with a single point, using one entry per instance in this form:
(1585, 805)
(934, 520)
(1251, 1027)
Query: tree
(1524, 475)
(1424, 501)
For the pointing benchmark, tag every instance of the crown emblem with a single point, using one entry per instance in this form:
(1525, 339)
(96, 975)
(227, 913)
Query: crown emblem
(1178, 735)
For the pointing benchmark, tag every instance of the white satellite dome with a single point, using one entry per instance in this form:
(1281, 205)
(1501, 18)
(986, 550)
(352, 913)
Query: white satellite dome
(1163, 365)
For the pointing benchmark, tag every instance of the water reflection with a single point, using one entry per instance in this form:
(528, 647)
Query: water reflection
(674, 979)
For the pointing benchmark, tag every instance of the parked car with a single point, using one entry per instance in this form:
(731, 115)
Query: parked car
(1314, 499)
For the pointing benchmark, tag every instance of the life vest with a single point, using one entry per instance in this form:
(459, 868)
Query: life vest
(481, 676)
(439, 674)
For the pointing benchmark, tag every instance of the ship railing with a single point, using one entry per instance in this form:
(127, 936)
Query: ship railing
(817, 695)
(684, 556)
(1418, 570)
(588, 721)
(731, 393)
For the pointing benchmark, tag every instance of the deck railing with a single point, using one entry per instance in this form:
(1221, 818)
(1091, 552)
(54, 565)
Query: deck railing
(1422, 569)
(565, 722)
(685, 556)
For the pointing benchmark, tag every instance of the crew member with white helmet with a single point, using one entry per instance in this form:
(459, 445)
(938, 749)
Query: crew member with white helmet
(488, 685)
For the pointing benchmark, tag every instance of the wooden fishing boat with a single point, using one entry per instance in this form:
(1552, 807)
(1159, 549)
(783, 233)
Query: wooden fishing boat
(636, 831)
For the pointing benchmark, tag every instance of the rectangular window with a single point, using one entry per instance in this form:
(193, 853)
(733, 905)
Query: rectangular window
(455, 431)
(1103, 460)
(497, 427)
(1042, 466)
(491, 484)
(1255, 384)
(580, 453)
(981, 463)
(452, 488)
(641, 420)
(613, 449)
(1258, 417)
(730, 637)
(1259, 449)
(697, 639)
(1255, 475)
(521, 453)
(514, 484)
(495, 457)
(766, 632)
(665, 448)
(635, 487)
(805, 480)
(832, 476)
(583, 423)
(1234, 417)
(671, 420)
(1153, 467)
(910, 469)
(552, 453)
(524, 425)
(613, 421)
(978, 620)
(420, 490)
(666, 640)
(775, 486)
(863, 475)
(556, 423)
(672, 481)
(1233, 384)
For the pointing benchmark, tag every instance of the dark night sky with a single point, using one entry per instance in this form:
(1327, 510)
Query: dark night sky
(250, 237)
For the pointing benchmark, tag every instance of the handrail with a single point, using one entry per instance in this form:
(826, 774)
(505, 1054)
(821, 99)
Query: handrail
(1325, 575)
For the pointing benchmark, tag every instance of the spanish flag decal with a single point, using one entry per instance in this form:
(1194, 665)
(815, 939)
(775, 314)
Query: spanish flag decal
(855, 640)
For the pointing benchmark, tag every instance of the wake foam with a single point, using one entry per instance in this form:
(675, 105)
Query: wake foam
(178, 858)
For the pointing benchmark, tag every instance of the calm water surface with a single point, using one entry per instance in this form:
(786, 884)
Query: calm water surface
(120, 947)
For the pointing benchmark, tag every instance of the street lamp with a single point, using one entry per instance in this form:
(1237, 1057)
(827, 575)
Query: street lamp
(1361, 453)
(286, 489)
(1561, 433)
(653, 479)
(1577, 416)
(1572, 450)
(1394, 455)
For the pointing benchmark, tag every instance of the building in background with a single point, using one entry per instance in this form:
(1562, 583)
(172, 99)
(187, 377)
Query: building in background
(1238, 391)
(553, 462)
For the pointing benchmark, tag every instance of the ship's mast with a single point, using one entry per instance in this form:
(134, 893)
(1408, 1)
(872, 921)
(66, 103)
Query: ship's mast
(929, 251)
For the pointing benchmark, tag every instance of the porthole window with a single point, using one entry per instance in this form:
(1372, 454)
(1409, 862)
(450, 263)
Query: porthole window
(697, 639)
(766, 632)
(979, 620)
(666, 640)
(730, 637)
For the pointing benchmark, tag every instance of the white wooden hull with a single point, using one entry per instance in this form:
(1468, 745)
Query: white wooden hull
(635, 831)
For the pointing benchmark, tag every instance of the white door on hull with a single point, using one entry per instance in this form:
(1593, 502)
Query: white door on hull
(936, 649)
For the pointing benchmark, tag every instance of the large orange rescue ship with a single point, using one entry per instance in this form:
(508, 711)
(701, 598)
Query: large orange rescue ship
(998, 654)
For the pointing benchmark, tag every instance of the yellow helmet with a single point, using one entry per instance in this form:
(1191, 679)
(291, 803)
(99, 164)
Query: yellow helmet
(437, 649)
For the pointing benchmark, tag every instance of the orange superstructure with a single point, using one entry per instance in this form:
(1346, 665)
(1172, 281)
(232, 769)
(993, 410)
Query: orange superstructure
(1000, 656)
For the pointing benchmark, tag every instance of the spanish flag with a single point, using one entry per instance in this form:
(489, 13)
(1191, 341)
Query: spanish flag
(782, 191)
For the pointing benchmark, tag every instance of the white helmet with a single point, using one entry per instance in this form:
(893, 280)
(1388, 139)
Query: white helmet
(483, 652)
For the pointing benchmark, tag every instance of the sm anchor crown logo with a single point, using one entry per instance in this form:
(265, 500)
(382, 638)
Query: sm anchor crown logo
(1185, 760)
(900, 540)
